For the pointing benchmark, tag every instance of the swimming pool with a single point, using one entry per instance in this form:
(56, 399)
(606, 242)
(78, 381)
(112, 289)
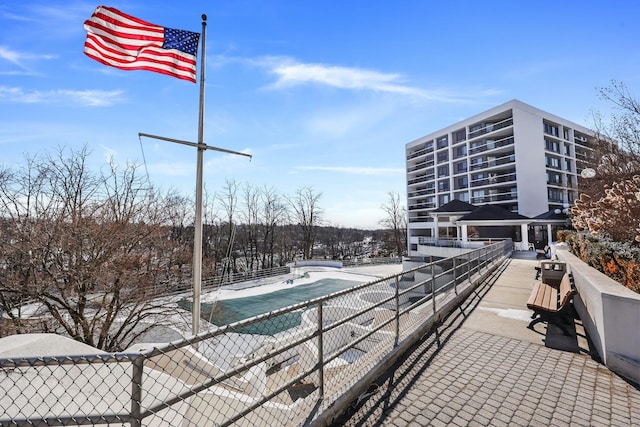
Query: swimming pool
(223, 312)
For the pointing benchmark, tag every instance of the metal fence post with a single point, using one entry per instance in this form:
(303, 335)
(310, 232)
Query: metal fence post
(320, 353)
(397, 312)
(136, 391)
(455, 277)
(484, 262)
(469, 267)
(433, 288)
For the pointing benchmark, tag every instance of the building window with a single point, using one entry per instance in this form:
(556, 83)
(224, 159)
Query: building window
(478, 179)
(553, 178)
(475, 130)
(462, 182)
(552, 162)
(565, 133)
(443, 185)
(461, 151)
(459, 136)
(550, 128)
(443, 199)
(476, 163)
(443, 156)
(552, 145)
(461, 167)
(555, 195)
(443, 142)
(463, 197)
(443, 171)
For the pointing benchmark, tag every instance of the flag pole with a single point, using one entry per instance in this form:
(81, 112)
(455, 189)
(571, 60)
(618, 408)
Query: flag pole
(197, 239)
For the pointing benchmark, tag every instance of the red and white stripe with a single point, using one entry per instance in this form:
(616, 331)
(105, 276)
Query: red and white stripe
(123, 41)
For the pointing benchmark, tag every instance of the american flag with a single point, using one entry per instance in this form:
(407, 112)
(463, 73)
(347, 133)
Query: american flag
(122, 41)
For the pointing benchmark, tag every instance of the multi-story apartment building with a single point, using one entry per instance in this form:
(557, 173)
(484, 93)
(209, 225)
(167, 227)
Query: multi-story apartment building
(514, 155)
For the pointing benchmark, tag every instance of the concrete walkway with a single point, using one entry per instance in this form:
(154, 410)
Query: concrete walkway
(483, 366)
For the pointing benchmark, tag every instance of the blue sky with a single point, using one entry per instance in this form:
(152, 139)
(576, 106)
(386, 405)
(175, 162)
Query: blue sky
(322, 93)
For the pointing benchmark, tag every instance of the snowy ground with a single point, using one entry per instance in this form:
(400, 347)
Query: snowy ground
(38, 344)
(301, 276)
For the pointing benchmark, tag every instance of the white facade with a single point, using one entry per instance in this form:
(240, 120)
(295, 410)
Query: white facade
(514, 155)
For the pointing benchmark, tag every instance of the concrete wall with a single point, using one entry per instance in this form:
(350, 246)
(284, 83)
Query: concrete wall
(315, 263)
(529, 151)
(610, 314)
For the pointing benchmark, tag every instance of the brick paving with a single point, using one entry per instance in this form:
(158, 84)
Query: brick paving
(460, 376)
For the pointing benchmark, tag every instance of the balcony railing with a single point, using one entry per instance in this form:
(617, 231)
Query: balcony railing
(498, 161)
(498, 179)
(491, 145)
(490, 127)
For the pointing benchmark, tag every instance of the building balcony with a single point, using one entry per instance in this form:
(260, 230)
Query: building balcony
(491, 145)
(498, 179)
(490, 163)
(491, 127)
(421, 165)
(500, 197)
(420, 152)
(421, 206)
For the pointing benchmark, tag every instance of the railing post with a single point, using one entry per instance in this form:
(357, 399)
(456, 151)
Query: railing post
(484, 262)
(469, 266)
(136, 391)
(455, 277)
(433, 289)
(320, 352)
(397, 312)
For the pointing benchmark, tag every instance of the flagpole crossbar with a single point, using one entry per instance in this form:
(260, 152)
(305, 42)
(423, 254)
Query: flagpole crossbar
(194, 144)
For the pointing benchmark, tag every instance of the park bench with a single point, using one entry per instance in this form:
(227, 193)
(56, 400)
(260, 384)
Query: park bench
(550, 299)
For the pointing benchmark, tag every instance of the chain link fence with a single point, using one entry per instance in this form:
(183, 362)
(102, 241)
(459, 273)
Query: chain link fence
(294, 366)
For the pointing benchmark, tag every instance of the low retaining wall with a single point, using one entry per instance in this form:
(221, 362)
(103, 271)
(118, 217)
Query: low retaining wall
(610, 314)
(315, 263)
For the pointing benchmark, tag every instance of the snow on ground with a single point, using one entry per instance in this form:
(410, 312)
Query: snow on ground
(301, 276)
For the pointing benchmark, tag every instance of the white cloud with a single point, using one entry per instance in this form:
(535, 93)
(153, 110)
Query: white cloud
(291, 73)
(89, 98)
(352, 170)
(20, 59)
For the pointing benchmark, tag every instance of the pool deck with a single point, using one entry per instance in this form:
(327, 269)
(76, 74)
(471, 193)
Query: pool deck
(483, 366)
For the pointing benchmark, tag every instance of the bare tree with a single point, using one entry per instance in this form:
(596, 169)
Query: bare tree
(308, 216)
(228, 198)
(609, 203)
(180, 220)
(616, 150)
(86, 248)
(249, 215)
(212, 251)
(625, 125)
(396, 222)
(274, 213)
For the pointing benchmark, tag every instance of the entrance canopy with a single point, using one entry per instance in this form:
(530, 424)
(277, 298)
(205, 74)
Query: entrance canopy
(492, 221)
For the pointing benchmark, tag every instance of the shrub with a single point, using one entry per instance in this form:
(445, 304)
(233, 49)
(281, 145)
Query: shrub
(619, 261)
(615, 215)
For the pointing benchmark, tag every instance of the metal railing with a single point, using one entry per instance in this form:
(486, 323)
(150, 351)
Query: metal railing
(297, 365)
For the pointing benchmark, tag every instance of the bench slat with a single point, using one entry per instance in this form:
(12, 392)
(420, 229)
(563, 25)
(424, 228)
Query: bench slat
(565, 291)
(534, 293)
(543, 297)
